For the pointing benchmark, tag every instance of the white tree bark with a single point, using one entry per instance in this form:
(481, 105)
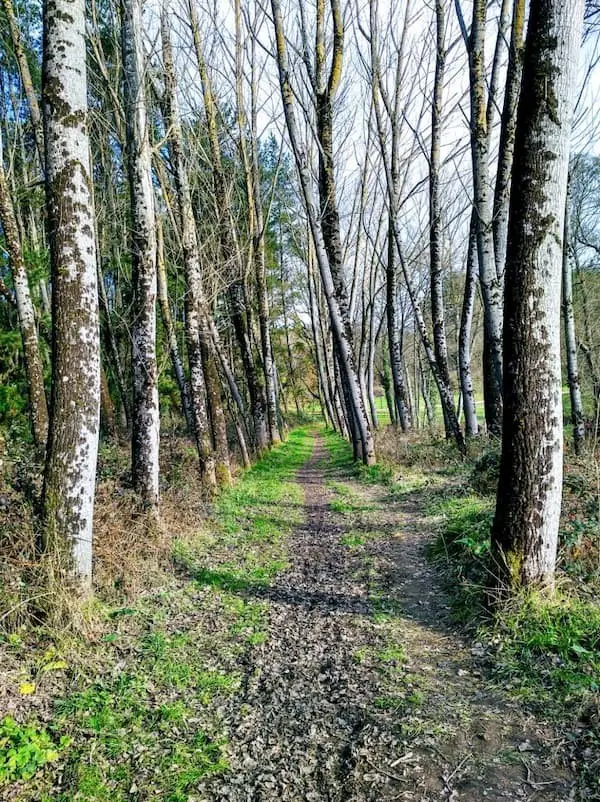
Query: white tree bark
(146, 422)
(491, 289)
(70, 472)
(464, 337)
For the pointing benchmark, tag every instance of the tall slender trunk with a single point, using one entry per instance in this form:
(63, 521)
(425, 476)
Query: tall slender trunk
(525, 530)
(26, 313)
(169, 328)
(197, 330)
(491, 288)
(146, 422)
(218, 423)
(26, 79)
(107, 409)
(586, 346)
(384, 378)
(577, 417)
(256, 224)
(446, 399)
(228, 245)
(464, 336)
(438, 313)
(314, 312)
(507, 137)
(325, 89)
(70, 472)
(402, 415)
(113, 349)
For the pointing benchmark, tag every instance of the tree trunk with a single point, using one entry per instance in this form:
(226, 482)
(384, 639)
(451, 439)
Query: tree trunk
(169, 327)
(438, 314)
(113, 350)
(402, 415)
(507, 137)
(577, 417)
(325, 89)
(107, 410)
(525, 530)
(26, 312)
(464, 336)
(146, 422)
(229, 252)
(197, 331)
(26, 79)
(70, 472)
(491, 289)
(257, 225)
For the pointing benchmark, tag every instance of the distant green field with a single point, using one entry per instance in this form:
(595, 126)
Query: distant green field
(383, 416)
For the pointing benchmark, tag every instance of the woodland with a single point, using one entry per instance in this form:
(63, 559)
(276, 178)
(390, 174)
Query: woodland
(299, 400)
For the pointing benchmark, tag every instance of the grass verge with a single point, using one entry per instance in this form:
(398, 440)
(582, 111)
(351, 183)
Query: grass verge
(133, 710)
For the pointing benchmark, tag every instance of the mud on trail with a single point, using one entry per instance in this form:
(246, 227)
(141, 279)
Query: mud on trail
(363, 690)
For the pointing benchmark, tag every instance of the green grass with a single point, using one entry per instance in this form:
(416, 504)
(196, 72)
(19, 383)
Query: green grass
(543, 650)
(550, 649)
(353, 540)
(142, 720)
(465, 532)
(251, 520)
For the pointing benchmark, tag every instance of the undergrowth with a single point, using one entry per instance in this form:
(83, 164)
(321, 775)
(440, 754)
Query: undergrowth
(130, 708)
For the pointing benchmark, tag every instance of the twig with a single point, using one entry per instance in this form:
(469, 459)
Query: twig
(533, 783)
(387, 773)
(457, 769)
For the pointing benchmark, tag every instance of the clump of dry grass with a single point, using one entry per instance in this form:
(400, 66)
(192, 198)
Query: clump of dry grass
(132, 550)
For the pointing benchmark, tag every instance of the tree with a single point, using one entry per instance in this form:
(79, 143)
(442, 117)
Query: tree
(146, 423)
(577, 416)
(525, 530)
(70, 473)
(196, 308)
(491, 290)
(26, 312)
(435, 214)
(336, 302)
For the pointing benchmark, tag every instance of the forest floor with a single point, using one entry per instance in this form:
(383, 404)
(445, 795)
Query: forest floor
(303, 651)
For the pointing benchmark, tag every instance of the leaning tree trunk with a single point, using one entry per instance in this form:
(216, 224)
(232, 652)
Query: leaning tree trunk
(402, 415)
(228, 243)
(525, 530)
(169, 329)
(146, 422)
(26, 79)
(70, 473)
(256, 223)
(26, 312)
(343, 345)
(325, 90)
(577, 417)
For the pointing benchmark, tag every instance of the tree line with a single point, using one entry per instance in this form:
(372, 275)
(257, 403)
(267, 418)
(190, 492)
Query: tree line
(222, 217)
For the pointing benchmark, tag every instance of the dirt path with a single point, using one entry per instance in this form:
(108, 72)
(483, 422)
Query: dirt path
(362, 691)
